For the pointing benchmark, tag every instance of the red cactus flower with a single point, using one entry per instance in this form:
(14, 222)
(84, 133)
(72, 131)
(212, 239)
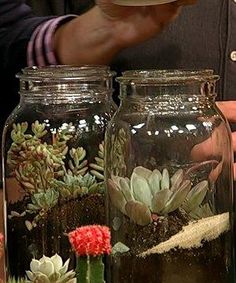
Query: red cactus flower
(91, 240)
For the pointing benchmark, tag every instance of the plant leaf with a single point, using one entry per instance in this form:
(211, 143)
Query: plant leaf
(165, 181)
(177, 179)
(141, 189)
(142, 171)
(119, 248)
(116, 196)
(126, 190)
(138, 212)
(160, 199)
(154, 181)
(195, 196)
(177, 198)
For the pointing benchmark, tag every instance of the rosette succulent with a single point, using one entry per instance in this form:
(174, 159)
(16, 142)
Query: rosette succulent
(50, 270)
(152, 192)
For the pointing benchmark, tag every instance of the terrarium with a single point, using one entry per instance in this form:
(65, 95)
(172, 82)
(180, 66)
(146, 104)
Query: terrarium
(53, 167)
(168, 177)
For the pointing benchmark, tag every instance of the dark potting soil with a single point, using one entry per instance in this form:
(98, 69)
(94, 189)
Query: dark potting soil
(158, 231)
(50, 235)
(198, 265)
(205, 265)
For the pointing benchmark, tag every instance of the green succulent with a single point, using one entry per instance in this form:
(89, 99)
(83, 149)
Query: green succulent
(117, 149)
(33, 162)
(43, 171)
(74, 186)
(13, 280)
(43, 201)
(202, 211)
(152, 192)
(98, 166)
(40, 204)
(77, 165)
(34, 175)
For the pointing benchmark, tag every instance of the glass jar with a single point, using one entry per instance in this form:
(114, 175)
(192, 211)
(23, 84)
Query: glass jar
(168, 175)
(53, 163)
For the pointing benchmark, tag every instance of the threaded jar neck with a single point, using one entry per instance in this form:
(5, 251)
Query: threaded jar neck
(161, 85)
(65, 83)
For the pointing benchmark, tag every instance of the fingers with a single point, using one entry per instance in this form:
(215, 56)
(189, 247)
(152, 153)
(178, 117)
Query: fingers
(234, 171)
(202, 151)
(215, 173)
(228, 108)
(185, 2)
(234, 141)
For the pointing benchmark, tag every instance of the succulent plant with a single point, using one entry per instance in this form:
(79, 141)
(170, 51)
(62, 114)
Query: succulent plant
(42, 171)
(33, 162)
(77, 166)
(50, 270)
(13, 280)
(74, 186)
(202, 211)
(118, 148)
(40, 204)
(90, 243)
(98, 166)
(152, 192)
(34, 176)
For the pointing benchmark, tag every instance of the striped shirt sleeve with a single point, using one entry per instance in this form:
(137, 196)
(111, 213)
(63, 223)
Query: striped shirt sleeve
(40, 49)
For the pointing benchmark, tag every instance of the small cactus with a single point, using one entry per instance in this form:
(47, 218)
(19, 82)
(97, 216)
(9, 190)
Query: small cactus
(90, 243)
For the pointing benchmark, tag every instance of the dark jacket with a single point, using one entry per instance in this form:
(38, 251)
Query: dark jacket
(17, 23)
(202, 37)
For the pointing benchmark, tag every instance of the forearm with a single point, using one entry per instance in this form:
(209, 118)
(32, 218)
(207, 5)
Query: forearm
(96, 36)
(17, 24)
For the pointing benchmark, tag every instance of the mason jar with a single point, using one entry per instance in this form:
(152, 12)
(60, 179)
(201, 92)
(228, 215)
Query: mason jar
(53, 165)
(168, 178)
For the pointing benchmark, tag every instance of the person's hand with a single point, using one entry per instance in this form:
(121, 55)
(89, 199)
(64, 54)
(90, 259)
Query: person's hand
(228, 108)
(136, 24)
(96, 36)
(201, 152)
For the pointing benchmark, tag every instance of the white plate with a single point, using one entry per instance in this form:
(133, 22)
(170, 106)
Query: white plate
(141, 2)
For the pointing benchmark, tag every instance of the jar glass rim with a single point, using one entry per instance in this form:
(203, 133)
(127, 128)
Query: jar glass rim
(171, 76)
(66, 72)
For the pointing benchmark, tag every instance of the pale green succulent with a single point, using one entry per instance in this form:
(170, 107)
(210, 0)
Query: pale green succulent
(74, 186)
(40, 204)
(152, 192)
(34, 162)
(117, 148)
(77, 165)
(34, 176)
(98, 166)
(47, 172)
(50, 270)
(43, 201)
(13, 280)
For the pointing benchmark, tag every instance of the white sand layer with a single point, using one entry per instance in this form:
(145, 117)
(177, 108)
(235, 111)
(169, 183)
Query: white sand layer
(194, 234)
